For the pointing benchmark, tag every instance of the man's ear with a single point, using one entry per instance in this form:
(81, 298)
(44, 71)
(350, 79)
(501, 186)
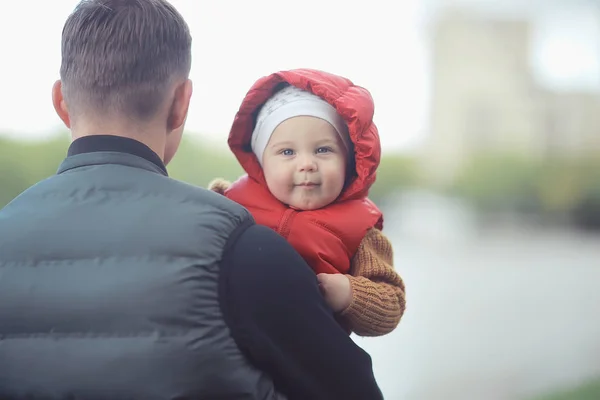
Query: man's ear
(180, 106)
(59, 104)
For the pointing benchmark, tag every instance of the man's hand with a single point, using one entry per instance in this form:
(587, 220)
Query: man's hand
(336, 289)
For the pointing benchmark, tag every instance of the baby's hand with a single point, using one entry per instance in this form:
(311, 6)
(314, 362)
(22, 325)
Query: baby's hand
(336, 289)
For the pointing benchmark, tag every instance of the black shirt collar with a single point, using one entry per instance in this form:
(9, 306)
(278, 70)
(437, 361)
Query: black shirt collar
(96, 143)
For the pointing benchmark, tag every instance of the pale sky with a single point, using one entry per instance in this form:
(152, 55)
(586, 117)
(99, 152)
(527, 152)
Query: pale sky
(378, 44)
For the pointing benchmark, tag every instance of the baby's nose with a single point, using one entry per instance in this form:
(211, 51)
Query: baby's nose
(307, 163)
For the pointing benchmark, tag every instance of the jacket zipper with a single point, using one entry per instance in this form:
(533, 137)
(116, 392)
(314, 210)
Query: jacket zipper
(285, 223)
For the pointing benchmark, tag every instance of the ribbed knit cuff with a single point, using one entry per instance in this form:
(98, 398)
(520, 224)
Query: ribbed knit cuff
(367, 314)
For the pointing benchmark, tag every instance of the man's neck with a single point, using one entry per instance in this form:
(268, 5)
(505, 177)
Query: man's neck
(112, 143)
(153, 140)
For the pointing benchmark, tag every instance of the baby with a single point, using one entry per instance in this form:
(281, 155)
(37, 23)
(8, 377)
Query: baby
(310, 149)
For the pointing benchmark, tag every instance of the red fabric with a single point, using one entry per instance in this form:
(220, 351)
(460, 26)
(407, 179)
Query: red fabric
(327, 238)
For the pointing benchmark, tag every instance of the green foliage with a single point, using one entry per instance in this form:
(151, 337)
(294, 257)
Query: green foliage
(22, 164)
(499, 182)
(395, 172)
(199, 165)
(563, 188)
(549, 187)
(587, 391)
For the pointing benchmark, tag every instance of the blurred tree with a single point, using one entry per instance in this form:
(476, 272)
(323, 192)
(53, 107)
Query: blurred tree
(553, 189)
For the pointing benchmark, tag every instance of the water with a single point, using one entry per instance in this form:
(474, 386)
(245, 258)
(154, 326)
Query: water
(500, 314)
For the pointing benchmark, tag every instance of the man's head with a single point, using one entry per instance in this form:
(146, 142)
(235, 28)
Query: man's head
(303, 146)
(125, 67)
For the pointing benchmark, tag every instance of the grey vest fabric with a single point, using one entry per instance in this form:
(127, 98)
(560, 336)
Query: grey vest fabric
(108, 288)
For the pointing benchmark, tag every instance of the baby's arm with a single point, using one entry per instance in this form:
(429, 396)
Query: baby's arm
(378, 295)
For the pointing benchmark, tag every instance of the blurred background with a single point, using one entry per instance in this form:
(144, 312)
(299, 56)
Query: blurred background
(489, 115)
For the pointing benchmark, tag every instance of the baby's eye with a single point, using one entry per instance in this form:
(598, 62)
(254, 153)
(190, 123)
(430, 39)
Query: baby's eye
(287, 152)
(323, 150)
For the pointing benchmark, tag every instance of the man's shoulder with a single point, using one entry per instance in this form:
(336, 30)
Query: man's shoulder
(152, 188)
(32, 193)
(207, 196)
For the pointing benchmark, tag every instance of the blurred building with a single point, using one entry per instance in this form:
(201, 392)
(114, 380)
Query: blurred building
(485, 97)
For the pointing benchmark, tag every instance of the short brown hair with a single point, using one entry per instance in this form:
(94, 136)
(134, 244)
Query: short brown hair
(121, 56)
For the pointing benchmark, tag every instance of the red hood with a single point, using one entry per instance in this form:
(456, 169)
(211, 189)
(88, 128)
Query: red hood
(352, 102)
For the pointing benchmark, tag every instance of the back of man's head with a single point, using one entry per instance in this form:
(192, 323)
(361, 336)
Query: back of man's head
(121, 57)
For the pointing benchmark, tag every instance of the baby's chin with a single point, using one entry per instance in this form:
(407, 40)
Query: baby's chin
(306, 202)
(309, 205)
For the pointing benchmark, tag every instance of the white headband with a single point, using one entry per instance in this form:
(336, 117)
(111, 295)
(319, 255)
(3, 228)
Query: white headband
(288, 103)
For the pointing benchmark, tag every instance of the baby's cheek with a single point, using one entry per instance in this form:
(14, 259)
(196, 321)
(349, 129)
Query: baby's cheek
(337, 185)
(272, 178)
(282, 196)
(279, 188)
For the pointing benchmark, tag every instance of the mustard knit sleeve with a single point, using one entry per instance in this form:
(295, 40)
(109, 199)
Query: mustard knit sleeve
(378, 294)
(219, 185)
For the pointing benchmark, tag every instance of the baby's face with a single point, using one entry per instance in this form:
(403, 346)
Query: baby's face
(305, 163)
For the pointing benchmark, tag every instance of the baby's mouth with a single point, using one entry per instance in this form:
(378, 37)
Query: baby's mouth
(308, 184)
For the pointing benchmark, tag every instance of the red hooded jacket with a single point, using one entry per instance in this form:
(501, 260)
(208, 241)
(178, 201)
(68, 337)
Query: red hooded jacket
(329, 237)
